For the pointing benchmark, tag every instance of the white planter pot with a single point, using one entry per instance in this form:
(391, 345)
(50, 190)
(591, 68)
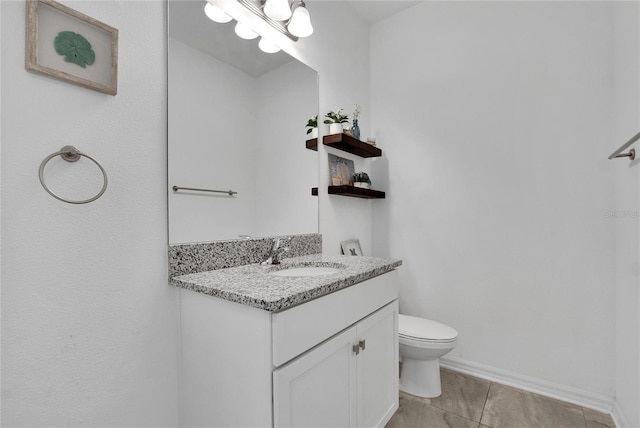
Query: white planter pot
(314, 133)
(335, 128)
(363, 185)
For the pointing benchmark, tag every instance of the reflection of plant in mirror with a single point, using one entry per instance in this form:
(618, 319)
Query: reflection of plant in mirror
(336, 117)
(361, 177)
(75, 48)
(312, 123)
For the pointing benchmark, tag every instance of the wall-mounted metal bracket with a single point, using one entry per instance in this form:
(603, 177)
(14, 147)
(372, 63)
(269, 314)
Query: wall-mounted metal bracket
(631, 155)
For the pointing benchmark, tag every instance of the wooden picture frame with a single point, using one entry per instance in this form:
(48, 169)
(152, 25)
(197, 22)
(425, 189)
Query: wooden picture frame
(67, 45)
(351, 248)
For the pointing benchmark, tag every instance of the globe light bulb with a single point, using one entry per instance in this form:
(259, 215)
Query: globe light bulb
(216, 14)
(300, 24)
(266, 46)
(245, 32)
(277, 10)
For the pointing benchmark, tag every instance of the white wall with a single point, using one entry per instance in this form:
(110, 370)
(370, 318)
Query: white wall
(339, 52)
(496, 130)
(89, 324)
(212, 147)
(285, 170)
(627, 117)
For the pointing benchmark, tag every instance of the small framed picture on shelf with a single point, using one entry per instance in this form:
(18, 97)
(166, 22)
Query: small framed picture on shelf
(341, 170)
(351, 248)
(67, 45)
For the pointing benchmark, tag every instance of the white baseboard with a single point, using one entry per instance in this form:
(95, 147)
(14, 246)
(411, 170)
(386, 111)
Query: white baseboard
(618, 416)
(587, 399)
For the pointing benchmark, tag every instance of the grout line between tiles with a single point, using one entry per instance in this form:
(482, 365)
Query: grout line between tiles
(451, 413)
(486, 398)
(584, 417)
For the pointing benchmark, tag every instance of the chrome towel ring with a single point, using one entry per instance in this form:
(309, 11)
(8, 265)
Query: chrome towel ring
(71, 154)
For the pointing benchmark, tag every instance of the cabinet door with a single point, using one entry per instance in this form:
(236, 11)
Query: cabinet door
(377, 367)
(318, 389)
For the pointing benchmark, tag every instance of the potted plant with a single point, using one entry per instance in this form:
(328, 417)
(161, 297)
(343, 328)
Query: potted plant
(312, 126)
(335, 119)
(361, 179)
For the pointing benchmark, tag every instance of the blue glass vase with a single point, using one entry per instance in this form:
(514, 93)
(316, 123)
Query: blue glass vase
(355, 129)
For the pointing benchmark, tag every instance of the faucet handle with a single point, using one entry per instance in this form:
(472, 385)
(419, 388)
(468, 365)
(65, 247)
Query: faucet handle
(276, 254)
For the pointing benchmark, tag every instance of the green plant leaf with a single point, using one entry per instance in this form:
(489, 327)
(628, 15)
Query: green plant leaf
(361, 177)
(75, 48)
(312, 122)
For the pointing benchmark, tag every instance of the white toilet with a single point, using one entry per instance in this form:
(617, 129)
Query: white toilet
(422, 343)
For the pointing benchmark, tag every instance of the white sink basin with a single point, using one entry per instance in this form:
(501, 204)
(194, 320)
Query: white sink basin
(307, 271)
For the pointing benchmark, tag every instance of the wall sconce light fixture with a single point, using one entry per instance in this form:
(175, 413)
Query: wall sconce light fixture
(261, 17)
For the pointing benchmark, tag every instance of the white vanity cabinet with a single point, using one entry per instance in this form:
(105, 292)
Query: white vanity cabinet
(349, 381)
(330, 362)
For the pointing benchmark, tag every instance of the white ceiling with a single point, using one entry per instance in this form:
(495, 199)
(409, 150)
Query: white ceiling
(373, 11)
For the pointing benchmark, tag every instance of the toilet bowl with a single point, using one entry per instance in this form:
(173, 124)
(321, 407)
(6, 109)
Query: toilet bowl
(422, 343)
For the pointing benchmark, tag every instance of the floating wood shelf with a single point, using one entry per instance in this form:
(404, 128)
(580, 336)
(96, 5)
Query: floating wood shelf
(352, 191)
(351, 145)
(312, 144)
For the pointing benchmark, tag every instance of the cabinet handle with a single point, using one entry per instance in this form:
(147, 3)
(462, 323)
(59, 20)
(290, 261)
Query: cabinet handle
(356, 349)
(362, 344)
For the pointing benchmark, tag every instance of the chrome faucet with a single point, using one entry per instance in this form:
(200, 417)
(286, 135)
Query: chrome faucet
(274, 254)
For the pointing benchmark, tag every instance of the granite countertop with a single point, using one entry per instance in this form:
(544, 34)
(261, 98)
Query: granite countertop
(253, 286)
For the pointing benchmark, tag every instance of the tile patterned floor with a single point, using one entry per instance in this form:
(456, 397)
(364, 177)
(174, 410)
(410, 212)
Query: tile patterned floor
(469, 402)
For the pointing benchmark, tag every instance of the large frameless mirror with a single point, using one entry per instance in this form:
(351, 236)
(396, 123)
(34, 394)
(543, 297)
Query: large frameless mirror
(236, 122)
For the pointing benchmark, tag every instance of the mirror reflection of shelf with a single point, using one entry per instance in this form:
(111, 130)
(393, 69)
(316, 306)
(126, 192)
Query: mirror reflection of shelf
(312, 144)
(354, 192)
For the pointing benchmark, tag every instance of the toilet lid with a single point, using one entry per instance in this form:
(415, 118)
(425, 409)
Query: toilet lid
(424, 329)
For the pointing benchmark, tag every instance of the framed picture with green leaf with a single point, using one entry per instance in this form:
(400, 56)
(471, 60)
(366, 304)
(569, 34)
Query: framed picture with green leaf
(67, 45)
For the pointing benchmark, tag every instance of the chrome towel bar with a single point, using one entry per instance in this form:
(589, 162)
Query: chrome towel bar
(229, 192)
(631, 153)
